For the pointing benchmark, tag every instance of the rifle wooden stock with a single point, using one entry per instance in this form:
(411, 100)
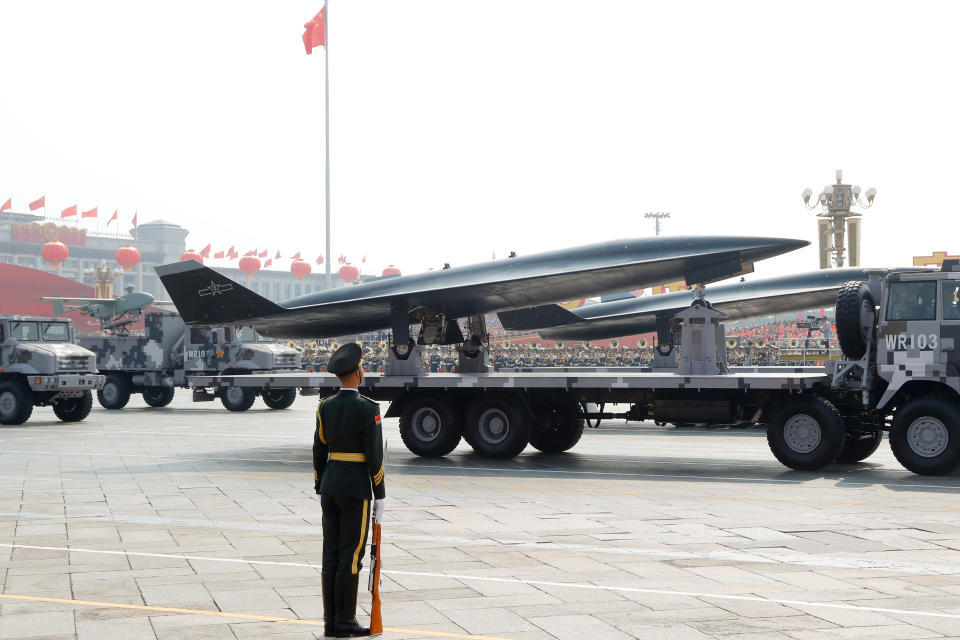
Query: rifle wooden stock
(376, 624)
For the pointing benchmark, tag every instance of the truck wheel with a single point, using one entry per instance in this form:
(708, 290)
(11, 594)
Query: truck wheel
(73, 409)
(855, 318)
(429, 427)
(115, 393)
(498, 428)
(158, 396)
(237, 398)
(279, 398)
(925, 436)
(806, 435)
(16, 405)
(859, 450)
(559, 430)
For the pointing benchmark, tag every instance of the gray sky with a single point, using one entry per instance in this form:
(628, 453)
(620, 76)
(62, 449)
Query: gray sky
(464, 128)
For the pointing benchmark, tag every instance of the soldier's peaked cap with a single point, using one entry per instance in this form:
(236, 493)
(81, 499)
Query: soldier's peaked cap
(345, 359)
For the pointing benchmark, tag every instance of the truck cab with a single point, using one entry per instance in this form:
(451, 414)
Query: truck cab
(40, 366)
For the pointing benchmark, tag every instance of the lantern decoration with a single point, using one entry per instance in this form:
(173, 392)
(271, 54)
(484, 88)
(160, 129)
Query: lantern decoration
(127, 257)
(349, 273)
(190, 254)
(249, 264)
(301, 269)
(391, 271)
(55, 252)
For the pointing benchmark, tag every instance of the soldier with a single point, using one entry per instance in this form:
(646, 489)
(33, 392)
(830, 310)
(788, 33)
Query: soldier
(347, 463)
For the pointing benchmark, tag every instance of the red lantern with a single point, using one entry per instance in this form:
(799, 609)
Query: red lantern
(127, 256)
(391, 271)
(301, 269)
(249, 264)
(349, 273)
(55, 252)
(190, 254)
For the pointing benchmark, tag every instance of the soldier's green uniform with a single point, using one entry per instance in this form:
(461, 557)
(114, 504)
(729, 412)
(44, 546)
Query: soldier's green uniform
(348, 472)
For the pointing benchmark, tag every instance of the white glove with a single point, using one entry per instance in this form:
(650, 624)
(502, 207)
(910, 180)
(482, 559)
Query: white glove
(378, 506)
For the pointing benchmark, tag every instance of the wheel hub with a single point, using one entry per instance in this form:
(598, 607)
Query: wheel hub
(494, 426)
(928, 437)
(8, 403)
(235, 395)
(802, 433)
(426, 424)
(110, 392)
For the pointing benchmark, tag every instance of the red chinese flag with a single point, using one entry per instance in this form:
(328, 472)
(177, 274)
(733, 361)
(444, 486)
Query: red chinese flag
(7, 205)
(92, 213)
(319, 259)
(268, 263)
(296, 256)
(113, 217)
(231, 253)
(38, 203)
(134, 219)
(205, 252)
(69, 211)
(314, 33)
(218, 255)
(262, 254)
(364, 261)
(277, 257)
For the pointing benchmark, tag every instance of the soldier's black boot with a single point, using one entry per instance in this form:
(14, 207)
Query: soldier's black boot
(328, 583)
(346, 624)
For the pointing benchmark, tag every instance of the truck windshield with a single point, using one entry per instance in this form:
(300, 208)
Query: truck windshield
(55, 332)
(25, 331)
(247, 334)
(912, 301)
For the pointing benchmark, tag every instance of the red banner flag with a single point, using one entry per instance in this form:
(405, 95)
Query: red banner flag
(69, 211)
(364, 261)
(314, 34)
(231, 253)
(218, 255)
(114, 216)
(262, 254)
(319, 259)
(268, 263)
(38, 203)
(342, 259)
(277, 257)
(134, 219)
(7, 205)
(296, 256)
(205, 252)
(92, 213)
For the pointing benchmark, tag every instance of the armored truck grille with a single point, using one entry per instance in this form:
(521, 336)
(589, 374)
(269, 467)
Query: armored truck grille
(73, 363)
(287, 361)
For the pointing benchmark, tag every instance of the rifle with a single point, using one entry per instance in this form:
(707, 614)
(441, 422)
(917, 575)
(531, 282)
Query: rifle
(373, 582)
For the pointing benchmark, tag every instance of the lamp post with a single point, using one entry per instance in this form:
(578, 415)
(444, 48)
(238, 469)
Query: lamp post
(657, 217)
(836, 218)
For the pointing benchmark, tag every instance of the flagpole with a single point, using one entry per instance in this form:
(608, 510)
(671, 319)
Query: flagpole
(326, 97)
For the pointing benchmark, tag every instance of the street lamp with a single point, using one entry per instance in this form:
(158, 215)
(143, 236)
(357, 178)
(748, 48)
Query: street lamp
(836, 220)
(657, 216)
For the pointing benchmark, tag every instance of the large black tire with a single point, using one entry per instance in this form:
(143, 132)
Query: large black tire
(925, 435)
(806, 434)
(115, 393)
(16, 405)
(855, 305)
(430, 427)
(857, 450)
(158, 396)
(74, 409)
(498, 428)
(279, 398)
(558, 429)
(237, 398)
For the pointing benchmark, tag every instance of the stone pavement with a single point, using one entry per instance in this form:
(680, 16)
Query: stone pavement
(191, 522)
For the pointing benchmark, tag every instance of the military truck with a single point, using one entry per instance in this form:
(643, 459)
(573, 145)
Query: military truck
(40, 367)
(170, 353)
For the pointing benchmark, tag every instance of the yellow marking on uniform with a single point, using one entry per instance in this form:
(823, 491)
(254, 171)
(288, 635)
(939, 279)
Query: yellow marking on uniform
(378, 476)
(230, 614)
(347, 457)
(320, 423)
(842, 504)
(363, 538)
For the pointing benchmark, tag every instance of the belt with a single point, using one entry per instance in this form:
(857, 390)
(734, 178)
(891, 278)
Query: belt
(347, 457)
